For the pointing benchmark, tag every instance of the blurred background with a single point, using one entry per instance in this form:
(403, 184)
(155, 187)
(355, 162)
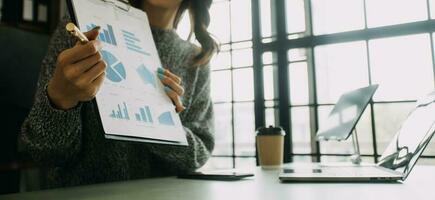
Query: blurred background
(282, 62)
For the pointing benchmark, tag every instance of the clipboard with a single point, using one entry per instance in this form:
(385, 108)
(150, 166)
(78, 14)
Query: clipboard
(131, 104)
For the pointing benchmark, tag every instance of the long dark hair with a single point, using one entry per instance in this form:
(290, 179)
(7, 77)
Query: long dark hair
(200, 20)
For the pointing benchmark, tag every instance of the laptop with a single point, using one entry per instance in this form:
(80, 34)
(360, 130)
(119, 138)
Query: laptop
(346, 114)
(395, 163)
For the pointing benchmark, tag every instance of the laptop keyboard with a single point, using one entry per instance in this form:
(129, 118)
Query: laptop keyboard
(341, 171)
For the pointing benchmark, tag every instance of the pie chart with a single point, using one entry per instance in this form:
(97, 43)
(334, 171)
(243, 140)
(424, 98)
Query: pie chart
(166, 119)
(115, 70)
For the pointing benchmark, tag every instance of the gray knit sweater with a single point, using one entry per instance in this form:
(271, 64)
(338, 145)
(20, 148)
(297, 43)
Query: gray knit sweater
(70, 145)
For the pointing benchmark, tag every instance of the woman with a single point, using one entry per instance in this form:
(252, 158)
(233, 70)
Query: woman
(62, 131)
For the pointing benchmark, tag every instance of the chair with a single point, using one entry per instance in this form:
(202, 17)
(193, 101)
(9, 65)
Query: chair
(21, 55)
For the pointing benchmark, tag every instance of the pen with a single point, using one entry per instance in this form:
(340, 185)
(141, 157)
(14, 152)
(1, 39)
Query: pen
(74, 31)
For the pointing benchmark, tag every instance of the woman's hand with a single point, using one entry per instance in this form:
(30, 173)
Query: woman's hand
(173, 87)
(79, 73)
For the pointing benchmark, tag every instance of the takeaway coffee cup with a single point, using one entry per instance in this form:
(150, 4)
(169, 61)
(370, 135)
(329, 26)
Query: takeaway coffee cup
(270, 146)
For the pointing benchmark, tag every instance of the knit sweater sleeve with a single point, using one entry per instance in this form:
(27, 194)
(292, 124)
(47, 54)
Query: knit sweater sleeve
(49, 135)
(198, 124)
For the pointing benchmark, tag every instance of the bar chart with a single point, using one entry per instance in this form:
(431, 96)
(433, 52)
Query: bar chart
(144, 115)
(146, 75)
(166, 119)
(106, 35)
(133, 43)
(121, 112)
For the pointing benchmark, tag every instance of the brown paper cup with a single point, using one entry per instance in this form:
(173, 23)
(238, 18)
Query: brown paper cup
(270, 150)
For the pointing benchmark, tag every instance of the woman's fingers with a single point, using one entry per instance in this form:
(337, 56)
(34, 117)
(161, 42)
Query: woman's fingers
(87, 64)
(80, 52)
(175, 99)
(169, 74)
(93, 34)
(166, 80)
(95, 72)
(172, 87)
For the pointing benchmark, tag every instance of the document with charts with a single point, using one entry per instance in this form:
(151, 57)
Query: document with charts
(132, 103)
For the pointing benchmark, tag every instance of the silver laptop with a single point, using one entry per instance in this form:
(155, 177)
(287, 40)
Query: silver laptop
(346, 113)
(395, 163)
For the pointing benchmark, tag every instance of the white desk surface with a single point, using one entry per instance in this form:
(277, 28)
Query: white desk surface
(265, 185)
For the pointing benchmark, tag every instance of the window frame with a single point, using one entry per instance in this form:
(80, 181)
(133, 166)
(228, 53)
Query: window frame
(281, 43)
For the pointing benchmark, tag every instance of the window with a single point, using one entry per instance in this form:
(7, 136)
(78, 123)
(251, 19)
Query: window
(402, 66)
(333, 16)
(351, 44)
(286, 63)
(340, 68)
(399, 12)
(295, 13)
(232, 83)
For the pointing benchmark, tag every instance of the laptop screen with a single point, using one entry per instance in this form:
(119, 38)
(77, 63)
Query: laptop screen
(414, 135)
(346, 113)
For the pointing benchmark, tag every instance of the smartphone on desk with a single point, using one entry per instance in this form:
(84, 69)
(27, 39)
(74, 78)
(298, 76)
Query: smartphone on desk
(216, 175)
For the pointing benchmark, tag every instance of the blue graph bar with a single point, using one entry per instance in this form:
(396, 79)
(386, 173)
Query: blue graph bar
(133, 46)
(120, 113)
(112, 35)
(138, 51)
(131, 38)
(90, 26)
(127, 33)
(127, 40)
(142, 113)
(133, 43)
(125, 111)
(150, 119)
(102, 37)
(106, 35)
